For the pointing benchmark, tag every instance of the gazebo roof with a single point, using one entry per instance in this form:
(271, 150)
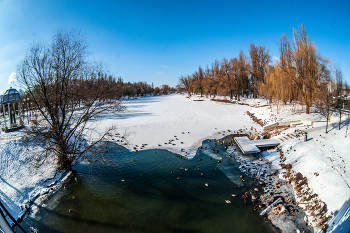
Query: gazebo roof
(11, 95)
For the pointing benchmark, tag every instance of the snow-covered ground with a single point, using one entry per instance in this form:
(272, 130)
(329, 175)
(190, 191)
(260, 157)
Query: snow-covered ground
(155, 120)
(180, 125)
(21, 181)
(324, 158)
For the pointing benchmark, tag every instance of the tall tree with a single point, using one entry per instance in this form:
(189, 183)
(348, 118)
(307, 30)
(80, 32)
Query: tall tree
(51, 76)
(198, 81)
(260, 59)
(339, 92)
(228, 81)
(302, 65)
(186, 83)
(243, 80)
(325, 95)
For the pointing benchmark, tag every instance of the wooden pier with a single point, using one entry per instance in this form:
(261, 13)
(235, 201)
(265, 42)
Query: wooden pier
(248, 146)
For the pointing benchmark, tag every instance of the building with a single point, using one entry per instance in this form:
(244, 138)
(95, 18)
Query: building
(11, 110)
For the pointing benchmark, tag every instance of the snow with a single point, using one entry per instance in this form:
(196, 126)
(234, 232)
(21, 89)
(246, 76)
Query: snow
(180, 124)
(323, 159)
(157, 119)
(20, 180)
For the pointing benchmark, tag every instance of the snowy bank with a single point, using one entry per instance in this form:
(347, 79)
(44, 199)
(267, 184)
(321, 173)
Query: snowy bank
(21, 182)
(323, 159)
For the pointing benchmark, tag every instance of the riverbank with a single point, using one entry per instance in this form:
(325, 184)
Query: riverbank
(21, 181)
(273, 198)
(317, 168)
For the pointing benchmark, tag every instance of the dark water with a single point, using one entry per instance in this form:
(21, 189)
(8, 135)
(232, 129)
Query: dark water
(151, 191)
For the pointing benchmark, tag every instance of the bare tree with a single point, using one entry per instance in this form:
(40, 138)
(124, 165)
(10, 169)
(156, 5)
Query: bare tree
(347, 105)
(186, 83)
(260, 59)
(243, 80)
(228, 77)
(165, 89)
(326, 95)
(302, 65)
(339, 92)
(56, 79)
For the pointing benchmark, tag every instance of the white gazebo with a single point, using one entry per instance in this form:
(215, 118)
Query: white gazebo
(11, 106)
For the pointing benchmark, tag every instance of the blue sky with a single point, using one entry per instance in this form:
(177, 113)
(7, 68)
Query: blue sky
(158, 41)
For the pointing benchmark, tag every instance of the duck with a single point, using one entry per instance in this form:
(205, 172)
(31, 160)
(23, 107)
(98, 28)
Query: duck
(228, 201)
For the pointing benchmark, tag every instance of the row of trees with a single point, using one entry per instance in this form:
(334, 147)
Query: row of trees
(112, 88)
(141, 89)
(301, 75)
(234, 78)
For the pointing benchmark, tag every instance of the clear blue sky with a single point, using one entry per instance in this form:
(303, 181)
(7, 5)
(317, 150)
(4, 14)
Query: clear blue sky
(158, 41)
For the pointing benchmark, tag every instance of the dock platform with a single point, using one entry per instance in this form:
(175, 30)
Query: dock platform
(248, 146)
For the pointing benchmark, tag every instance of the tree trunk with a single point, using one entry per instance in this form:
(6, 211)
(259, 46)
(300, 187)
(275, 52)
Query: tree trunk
(339, 117)
(347, 125)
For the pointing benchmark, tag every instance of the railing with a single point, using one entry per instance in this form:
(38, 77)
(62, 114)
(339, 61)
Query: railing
(4, 212)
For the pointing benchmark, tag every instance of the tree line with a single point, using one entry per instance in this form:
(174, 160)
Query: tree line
(111, 88)
(300, 75)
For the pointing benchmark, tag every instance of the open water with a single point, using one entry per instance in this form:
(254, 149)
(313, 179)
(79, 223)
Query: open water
(151, 191)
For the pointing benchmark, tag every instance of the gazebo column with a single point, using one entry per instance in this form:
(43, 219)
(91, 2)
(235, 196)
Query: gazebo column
(3, 112)
(9, 113)
(14, 113)
(20, 113)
